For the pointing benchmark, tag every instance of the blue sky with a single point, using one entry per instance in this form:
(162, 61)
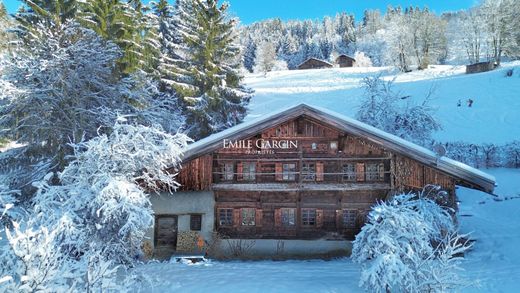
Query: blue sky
(253, 10)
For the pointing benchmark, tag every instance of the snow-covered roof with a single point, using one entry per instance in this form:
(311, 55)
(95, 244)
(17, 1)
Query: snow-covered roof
(312, 58)
(469, 175)
(345, 56)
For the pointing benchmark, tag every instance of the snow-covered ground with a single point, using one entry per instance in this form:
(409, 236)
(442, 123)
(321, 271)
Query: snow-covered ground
(494, 262)
(492, 118)
(495, 259)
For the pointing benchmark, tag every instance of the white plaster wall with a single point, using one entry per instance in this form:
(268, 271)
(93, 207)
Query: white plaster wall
(279, 248)
(183, 204)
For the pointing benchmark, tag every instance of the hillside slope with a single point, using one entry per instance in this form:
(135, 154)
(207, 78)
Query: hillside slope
(492, 118)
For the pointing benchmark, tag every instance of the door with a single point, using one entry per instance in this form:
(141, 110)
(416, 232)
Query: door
(166, 231)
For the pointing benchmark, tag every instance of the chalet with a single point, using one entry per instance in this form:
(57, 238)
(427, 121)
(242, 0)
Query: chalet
(297, 181)
(313, 63)
(345, 61)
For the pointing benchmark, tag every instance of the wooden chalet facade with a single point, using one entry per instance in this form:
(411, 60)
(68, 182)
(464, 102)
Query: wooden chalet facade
(309, 173)
(345, 61)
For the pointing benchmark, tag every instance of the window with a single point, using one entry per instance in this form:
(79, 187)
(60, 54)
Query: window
(349, 172)
(349, 218)
(333, 145)
(195, 222)
(225, 217)
(248, 217)
(308, 217)
(308, 172)
(289, 171)
(288, 217)
(375, 172)
(248, 170)
(227, 171)
(314, 145)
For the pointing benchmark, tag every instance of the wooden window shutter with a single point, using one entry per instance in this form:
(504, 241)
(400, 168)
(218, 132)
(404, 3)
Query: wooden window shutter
(258, 217)
(240, 171)
(319, 218)
(319, 171)
(339, 220)
(278, 171)
(360, 172)
(236, 217)
(278, 217)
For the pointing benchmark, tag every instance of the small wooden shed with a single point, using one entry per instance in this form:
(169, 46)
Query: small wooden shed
(480, 67)
(345, 61)
(313, 63)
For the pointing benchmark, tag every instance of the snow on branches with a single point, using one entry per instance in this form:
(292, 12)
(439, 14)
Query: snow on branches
(409, 244)
(381, 108)
(97, 217)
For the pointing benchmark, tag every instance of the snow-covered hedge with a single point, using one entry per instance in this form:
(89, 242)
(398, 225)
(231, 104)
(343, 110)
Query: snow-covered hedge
(409, 244)
(485, 155)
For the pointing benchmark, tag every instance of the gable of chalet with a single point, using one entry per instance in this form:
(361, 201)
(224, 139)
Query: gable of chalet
(465, 175)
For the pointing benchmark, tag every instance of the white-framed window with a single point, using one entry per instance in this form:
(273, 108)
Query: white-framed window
(374, 171)
(349, 218)
(309, 217)
(289, 171)
(249, 171)
(225, 217)
(288, 217)
(308, 171)
(349, 172)
(228, 171)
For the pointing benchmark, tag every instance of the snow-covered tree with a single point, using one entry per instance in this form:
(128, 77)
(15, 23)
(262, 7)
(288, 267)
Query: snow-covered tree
(213, 54)
(409, 244)
(499, 20)
(428, 34)
(280, 65)
(71, 94)
(511, 154)
(250, 49)
(79, 231)
(473, 34)
(265, 58)
(362, 60)
(127, 24)
(387, 109)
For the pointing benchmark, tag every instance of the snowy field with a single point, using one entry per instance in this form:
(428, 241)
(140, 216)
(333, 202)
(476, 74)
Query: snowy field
(494, 262)
(493, 116)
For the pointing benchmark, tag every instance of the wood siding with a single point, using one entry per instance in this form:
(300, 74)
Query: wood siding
(196, 174)
(329, 177)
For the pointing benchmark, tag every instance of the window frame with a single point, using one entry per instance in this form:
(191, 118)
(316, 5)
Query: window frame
(349, 218)
(308, 171)
(228, 217)
(228, 171)
(373, 171)
(287, 173)
(248, 175)
(246, 219)
(309, 217)
(192, 228)
(285, 214)
(349, 175)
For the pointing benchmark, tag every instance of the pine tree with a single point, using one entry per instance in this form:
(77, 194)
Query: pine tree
(127, 25)
(50, 11)
(250, 54)
(213, 55)
(173, 68)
